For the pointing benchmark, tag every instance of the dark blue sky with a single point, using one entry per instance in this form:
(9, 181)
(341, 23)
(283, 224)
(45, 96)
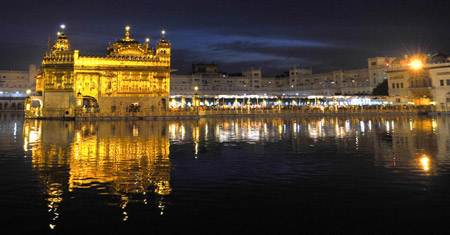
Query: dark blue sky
(273, 35)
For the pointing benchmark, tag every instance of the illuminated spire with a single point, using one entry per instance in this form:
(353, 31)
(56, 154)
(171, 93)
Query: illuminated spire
(62, 28)
(163, 34)
(147, 40)
(127, 34)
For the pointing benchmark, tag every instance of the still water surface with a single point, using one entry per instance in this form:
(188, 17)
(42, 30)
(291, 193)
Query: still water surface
(333, 174)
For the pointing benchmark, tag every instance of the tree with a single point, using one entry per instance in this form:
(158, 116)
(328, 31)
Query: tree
(381, 89)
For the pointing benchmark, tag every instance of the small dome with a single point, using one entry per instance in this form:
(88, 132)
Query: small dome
(437, 58)
(127, 46)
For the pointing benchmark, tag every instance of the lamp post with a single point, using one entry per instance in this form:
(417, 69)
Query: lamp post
(79, 102)
(28, 103)
(183, 102)
(416, 66)
(196, 99)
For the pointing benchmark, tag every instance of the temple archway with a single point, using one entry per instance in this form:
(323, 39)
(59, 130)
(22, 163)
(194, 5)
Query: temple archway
(90, 104)
(163, 103)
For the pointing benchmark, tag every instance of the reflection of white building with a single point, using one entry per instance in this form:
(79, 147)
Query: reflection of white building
(14, 83)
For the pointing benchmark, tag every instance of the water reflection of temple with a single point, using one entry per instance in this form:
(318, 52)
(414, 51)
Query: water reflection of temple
(123, 159)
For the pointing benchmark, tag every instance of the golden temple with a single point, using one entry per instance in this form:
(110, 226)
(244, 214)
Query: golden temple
(132, 77)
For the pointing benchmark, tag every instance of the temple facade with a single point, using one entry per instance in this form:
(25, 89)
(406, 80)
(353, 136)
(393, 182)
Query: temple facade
(132, 77)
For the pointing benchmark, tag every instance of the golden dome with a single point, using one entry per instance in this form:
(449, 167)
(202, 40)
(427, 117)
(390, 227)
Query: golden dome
(128, 46)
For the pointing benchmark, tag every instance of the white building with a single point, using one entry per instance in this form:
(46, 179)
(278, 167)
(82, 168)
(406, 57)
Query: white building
(15, 83)
(297, 81)
(421, 80)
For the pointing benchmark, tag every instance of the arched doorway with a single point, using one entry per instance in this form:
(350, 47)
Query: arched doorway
(36, 104)
(13, 106)
(90, 104)
(447, 103)
(163, 103)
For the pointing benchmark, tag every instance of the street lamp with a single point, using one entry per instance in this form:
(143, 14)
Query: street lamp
(416, 64)
(196, 97)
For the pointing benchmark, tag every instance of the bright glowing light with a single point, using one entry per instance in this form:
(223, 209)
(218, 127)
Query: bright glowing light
(196, 88)
(127, 28)
(425, 160)
(416, 64)
(147, 39)
(163, 32)
(28, 92)
(63, 27)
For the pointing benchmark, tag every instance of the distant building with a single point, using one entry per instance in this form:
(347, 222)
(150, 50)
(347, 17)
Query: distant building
(250, 82)
(296, 81)
(377, 69)
(14, 83)
(13, 88)
(421, 80)
(205, 69)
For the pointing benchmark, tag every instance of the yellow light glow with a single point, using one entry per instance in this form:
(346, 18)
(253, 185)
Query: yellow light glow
(196, 88)
(425, 160)
(163, 32)
(416, 64)
(63, 26)
(28, 92)
(127, 28)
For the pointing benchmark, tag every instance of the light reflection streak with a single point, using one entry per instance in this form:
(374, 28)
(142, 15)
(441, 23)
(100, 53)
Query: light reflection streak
(97, 156)
(434, 125)
(347, 125)
(425, 161)
(126, 161)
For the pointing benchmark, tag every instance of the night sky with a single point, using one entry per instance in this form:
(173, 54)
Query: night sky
(237, 34)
